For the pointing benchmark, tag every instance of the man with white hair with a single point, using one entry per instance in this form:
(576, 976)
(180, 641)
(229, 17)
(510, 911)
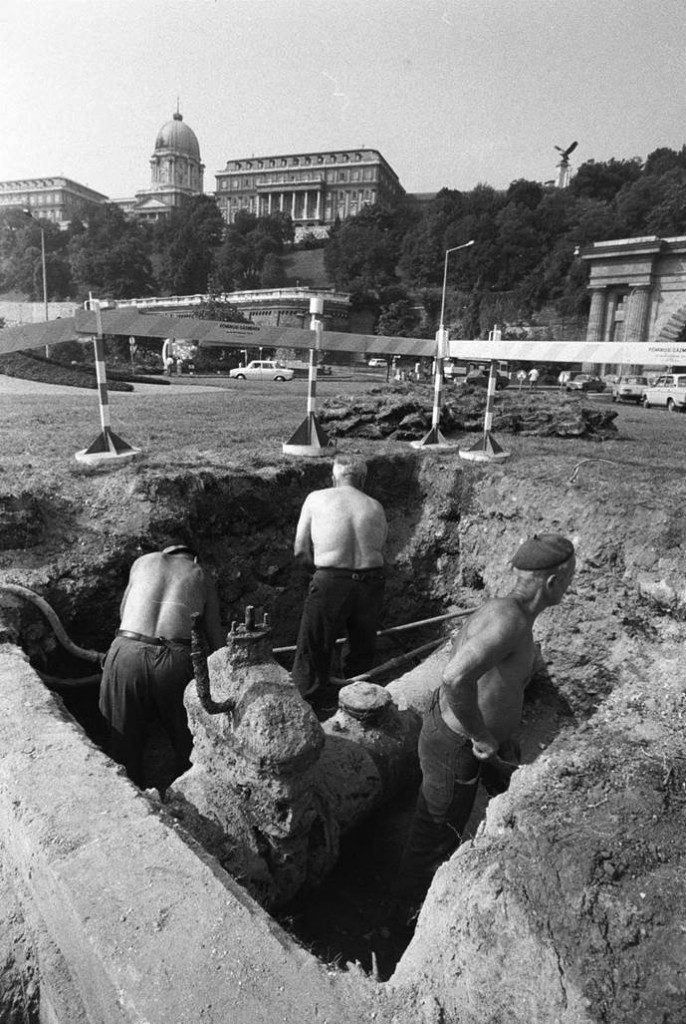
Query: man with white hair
(340, 536)
(468, 733)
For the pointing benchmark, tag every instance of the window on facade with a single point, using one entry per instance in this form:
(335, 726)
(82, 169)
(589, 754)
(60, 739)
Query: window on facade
(320, 159)
(332, 159)
(283, 163)
(358, 156)
(238, 167)
(342, 176)
(295, 161)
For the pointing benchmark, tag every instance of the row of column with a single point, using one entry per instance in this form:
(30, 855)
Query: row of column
(602, 312)
(286, 202)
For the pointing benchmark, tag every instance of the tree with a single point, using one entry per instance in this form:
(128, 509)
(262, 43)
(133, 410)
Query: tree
(21, 262)
(605, 179)
(362, 253)
(189, 245)
(249, 243)
(111, 257)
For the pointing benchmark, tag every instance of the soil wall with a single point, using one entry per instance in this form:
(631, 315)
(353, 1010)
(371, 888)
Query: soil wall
(566, 906)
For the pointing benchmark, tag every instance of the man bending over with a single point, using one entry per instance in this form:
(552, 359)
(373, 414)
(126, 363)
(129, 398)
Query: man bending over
(149, 663)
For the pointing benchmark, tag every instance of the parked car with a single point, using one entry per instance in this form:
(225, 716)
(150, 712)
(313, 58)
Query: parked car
(479, 379)
(629, 389)
(377, 363)
(262, 369)
(324, 369)
(668, 391)
(585, 382)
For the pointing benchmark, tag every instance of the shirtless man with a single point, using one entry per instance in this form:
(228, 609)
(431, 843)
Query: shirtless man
(468, 731)
(149, 663)
(340, 535)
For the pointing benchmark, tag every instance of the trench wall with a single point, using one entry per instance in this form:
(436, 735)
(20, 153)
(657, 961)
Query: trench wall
(123, 920)
(68, 846)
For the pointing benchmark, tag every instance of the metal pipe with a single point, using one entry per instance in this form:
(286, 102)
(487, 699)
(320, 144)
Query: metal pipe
(395, 662)
(392, 629)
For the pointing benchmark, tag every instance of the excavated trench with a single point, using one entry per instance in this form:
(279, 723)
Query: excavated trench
(452, 528)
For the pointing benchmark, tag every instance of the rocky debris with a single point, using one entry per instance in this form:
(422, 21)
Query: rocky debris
(402, 412)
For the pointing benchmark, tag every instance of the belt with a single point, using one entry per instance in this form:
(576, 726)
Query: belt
(377, 573)
(156, 641)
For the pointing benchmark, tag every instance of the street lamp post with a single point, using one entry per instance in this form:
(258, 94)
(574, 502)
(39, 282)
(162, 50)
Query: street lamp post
(27, 213)
(434, 436)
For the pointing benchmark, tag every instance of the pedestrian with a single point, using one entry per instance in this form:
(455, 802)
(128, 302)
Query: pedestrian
(340, 537)
(563, 378)
(521, 377)
(148, 666)
(533, 378)
(468, 733)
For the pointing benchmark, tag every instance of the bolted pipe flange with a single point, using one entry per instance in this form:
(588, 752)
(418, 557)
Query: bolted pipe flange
(367, 703)
(248, 642)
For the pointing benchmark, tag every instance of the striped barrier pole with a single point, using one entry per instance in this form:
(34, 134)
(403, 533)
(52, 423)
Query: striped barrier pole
(107, 445)
(487, 449)
(310, 438)
(435, 436)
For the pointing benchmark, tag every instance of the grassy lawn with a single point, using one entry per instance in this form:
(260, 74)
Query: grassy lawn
(243, 424)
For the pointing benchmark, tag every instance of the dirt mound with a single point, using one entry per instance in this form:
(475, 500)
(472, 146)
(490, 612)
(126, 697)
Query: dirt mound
(402, 412)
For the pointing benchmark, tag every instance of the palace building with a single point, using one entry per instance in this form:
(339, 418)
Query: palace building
(312, 188)
(176, 173)
(56, 199)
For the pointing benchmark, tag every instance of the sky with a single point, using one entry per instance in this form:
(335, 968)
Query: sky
(451, 92)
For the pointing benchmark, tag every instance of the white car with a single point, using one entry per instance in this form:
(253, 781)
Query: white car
(377, 362)
(668, 391)
(262, 369)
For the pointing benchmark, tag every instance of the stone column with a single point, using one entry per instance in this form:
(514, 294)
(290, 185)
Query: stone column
(269, 204)
(293, 206)
(318, 208)
(596, 317)
(635, 328)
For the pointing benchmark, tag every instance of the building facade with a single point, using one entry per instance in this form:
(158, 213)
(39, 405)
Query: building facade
(176, 174)
(55, 199)
(638, 290)
(266, 307)
(312, 188)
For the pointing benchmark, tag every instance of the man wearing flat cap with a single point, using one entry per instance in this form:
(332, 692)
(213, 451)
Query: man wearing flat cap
(468, 732)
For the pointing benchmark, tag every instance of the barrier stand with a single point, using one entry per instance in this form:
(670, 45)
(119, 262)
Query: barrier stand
(487, 449)
(435, 437)
(310, 438)
(107, 446)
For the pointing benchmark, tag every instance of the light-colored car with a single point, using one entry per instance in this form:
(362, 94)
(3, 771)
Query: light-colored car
(262, 369)
(629, 389)
(377, 363)
(668, 391)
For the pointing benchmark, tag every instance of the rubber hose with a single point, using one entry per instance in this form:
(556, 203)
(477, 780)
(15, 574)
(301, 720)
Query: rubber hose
(51, 616)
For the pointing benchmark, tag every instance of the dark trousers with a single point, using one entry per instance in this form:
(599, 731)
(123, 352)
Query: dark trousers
(338, 600)
(450, 778)
(142, 683)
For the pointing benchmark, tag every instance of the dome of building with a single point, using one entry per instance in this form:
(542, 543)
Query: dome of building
(178, 137)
